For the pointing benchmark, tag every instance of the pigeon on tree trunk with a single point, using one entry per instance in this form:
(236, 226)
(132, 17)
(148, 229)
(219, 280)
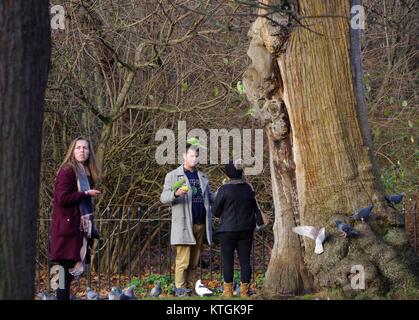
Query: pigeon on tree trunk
(362, 214)
(318, 234)
(346, 231)
(394, 199)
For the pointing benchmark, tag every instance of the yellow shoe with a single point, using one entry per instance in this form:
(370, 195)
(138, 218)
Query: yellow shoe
(227, 290)
(244, 290)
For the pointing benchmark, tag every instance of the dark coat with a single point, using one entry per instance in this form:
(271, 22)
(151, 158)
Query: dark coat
(66, 237)
(235, 205)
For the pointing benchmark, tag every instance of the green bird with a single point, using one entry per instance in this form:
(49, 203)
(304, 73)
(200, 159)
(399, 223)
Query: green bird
(178, 184)
(195, 142)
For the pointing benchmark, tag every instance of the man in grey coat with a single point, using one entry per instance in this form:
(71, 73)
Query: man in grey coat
(188, 191)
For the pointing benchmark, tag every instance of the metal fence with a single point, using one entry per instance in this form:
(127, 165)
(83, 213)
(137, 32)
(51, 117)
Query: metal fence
(136, 243)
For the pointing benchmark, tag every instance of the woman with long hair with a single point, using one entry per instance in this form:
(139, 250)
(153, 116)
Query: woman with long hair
(72, 228)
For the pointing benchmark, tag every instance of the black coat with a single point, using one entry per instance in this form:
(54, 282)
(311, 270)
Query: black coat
(235, 205)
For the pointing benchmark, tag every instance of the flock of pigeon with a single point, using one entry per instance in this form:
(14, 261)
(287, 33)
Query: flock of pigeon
(318, 234)
(117, 293)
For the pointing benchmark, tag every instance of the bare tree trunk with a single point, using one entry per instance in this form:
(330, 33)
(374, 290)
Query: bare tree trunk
(301, 87)
(25, 51)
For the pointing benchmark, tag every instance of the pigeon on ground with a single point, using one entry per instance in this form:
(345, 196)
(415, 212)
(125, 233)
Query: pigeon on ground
(236, 289)
(219, 290)
(46, 296)
(394, 199)
(182, 292)
(92, 295)
(318, 234)
(202, 290)
(346, 230)
(362, 214)
(123, 296)
(156, 291)
(129, 292)
(115, 293)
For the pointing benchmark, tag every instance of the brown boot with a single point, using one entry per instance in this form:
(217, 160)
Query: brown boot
(227, 290)
(244, 290)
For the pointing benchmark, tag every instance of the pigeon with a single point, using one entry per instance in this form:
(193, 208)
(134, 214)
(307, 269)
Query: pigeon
(346, 230)
(394, 199)
(219, 290)
(362, 214)
(46, 296)
(92, 295)
(129, 292)
(123, 296)
(156, 291)
(115, 293)
(236, 289)
(202, 290)
(182, 292)
(318, 234)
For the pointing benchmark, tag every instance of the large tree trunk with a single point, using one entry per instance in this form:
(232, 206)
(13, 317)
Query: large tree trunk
(322, 167)
(25, 49)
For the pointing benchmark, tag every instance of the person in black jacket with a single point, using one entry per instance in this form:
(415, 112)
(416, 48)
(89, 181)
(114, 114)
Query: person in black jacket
(236, 206)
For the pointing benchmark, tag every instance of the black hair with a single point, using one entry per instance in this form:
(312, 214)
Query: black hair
(188, 146)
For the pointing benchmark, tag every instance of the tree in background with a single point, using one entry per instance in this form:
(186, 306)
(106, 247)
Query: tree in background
(24, 60)
(304, 87)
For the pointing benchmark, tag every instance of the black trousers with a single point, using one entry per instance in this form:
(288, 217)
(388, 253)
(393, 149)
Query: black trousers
(242, 242)
(64, 294)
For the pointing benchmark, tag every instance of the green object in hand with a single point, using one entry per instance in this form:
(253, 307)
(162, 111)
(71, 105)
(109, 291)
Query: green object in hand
(178, 184)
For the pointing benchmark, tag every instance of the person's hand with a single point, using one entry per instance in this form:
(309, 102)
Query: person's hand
(181, 191)
(93, 193)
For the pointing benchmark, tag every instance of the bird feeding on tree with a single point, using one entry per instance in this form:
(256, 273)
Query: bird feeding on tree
(346, 231)
(318, 234)
(395, 198)
(362, 214)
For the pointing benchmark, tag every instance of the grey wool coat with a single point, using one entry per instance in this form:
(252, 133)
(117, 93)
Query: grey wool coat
(181, 229)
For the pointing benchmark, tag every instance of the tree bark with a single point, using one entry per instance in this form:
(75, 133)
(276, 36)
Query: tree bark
(25, 49)
(322, 167)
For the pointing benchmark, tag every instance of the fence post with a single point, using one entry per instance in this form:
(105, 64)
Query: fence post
(48, 249)
(414, 227)
(159, 239)
(129, 243)
(98, 253)
(119, 217)
(109, 249)
(139, 241)
(170, 248)
(149, 241)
